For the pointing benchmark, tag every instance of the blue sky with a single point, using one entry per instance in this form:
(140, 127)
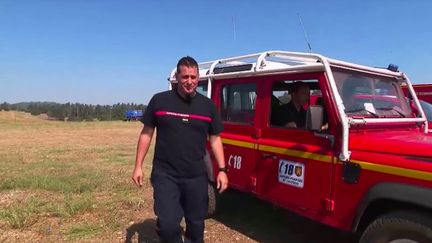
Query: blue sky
(109, 51)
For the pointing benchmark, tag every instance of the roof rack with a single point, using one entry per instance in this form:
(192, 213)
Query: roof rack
(274, 62)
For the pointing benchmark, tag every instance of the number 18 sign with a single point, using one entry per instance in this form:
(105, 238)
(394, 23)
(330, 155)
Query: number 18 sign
(291, 173)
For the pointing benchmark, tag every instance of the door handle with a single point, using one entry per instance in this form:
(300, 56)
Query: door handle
(268, 156)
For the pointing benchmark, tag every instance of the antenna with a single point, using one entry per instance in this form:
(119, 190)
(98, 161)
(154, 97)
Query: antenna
(305, 34)
(234, 28)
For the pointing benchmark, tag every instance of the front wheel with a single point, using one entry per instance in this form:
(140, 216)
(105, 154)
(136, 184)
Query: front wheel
(400, 227)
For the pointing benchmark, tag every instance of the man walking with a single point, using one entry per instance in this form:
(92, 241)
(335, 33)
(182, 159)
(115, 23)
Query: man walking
(185, 120)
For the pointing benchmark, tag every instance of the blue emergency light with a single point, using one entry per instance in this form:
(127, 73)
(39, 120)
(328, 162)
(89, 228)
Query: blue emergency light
(393, 67)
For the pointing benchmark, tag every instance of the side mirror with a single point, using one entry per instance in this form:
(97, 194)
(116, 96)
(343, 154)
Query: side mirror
(314, 118)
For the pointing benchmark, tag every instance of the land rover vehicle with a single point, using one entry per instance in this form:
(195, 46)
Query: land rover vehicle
(362, 163)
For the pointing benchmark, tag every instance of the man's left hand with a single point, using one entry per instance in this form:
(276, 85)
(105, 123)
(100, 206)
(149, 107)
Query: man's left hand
(222, 181)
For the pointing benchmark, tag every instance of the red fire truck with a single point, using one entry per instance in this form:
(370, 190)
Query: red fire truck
(362, 163)
(423, 91)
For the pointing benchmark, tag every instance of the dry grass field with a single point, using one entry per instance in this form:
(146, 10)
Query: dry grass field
(70, 181)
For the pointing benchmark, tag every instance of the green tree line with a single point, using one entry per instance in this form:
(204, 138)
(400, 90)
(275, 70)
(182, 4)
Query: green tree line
(75, 111)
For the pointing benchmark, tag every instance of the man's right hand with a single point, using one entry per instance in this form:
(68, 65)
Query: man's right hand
(142, 148)
(137, 176)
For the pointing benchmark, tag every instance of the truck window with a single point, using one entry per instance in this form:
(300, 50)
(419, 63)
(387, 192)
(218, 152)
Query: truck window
(290, 100)
(238, 102)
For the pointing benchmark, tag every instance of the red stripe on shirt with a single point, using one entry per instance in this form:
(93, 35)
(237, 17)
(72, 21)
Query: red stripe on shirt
(176, 114)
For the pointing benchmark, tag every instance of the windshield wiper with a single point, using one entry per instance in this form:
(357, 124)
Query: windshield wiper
(391, 109)
(358, 110)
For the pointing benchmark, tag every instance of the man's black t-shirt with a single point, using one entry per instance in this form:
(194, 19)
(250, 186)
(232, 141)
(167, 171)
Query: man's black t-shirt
(182, 128)
(288, 113)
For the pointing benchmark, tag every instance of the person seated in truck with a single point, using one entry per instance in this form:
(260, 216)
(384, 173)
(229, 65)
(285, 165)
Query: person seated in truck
(352, 90)
(293, 114)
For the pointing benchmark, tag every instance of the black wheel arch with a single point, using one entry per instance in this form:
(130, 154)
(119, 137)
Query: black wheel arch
(396, 195)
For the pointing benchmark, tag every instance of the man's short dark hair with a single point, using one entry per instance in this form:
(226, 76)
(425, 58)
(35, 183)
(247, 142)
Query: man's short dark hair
(188, 62)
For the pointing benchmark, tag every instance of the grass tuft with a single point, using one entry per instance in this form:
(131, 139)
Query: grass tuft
(23, 214)
(84, 230)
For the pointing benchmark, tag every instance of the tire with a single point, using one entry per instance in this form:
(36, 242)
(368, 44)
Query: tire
(212, 200)
(399, 227)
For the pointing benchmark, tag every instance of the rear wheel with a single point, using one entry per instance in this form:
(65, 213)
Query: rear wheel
(212, 199)
(400, 227)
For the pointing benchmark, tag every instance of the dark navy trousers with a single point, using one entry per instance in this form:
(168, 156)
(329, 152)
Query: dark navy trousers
(175, 198)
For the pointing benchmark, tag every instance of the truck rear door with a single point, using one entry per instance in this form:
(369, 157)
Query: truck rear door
(236, 101)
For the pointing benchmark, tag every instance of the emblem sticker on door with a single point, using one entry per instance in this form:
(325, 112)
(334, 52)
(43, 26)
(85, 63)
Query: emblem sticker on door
(291, 173)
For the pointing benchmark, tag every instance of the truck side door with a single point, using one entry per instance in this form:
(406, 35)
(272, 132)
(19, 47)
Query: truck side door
(294, 164)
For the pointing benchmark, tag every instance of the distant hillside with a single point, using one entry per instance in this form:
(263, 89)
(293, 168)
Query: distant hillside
(7, 117)
(74, 111)
(25, 105)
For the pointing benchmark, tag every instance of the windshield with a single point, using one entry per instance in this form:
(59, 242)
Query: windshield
(427, 108)
(371, 96)
(202, 88)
